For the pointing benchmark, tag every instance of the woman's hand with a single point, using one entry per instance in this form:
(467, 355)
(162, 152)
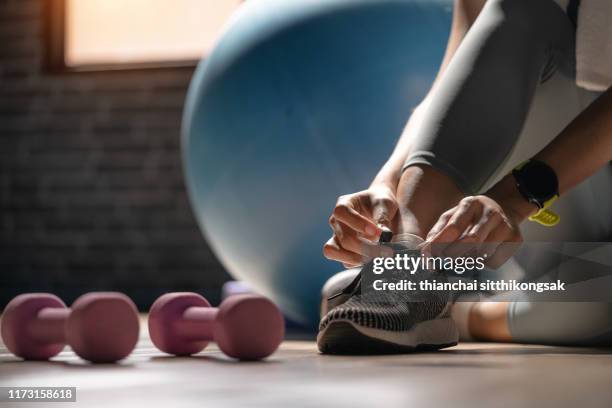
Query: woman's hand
(355, 224)
(477, 225)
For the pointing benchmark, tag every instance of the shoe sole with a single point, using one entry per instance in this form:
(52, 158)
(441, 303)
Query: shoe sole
(344, 337)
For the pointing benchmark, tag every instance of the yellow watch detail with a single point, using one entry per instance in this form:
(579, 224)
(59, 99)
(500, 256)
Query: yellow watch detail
(546, 217)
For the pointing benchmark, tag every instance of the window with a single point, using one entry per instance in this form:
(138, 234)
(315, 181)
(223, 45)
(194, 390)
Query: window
(96, 34)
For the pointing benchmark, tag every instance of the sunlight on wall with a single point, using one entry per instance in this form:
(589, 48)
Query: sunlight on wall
(128, 31)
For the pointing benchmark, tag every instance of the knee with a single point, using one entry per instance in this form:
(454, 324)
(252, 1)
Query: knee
(524, 16)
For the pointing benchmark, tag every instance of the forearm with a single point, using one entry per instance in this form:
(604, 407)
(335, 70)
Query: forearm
(582, 148)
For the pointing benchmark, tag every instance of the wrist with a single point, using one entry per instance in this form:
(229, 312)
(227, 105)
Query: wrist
(388, 178)
(507, 195)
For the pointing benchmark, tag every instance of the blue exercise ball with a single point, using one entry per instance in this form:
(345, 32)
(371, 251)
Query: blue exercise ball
(298, 103)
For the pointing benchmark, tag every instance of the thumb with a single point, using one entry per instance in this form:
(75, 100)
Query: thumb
(384, 210)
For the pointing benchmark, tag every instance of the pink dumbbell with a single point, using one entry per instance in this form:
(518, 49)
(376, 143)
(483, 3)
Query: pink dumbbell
(100, 327)
(247, 327)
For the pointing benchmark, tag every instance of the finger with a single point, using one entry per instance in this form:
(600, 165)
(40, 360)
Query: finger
(464, 216)
(335, 226)
(470, 243)
(349, 266)
(331, 221)
(333, 251)
(425, 247)
(460, 248)
(350, 241)
(346, 214)
(442, 221)
(487, 223)
(384, 210)
(508, 243)
(495, 239)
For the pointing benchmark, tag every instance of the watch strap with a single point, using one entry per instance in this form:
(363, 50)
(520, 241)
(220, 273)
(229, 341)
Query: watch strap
(546, 217)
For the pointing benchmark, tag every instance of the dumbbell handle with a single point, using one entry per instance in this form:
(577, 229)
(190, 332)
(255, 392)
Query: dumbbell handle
(50, 325)
(197, 323)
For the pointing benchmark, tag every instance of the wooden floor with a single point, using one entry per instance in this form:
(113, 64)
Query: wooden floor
(470, 375)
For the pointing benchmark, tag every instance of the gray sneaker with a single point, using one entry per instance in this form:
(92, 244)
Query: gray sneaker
(355, 323)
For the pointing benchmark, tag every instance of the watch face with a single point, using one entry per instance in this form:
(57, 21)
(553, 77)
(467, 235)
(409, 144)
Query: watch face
(539, 180)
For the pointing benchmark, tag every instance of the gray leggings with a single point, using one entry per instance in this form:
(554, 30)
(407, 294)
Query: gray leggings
(507, 92)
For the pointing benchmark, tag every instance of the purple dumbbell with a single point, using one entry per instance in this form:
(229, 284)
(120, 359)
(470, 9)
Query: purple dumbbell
(100, 327)
(246, 327)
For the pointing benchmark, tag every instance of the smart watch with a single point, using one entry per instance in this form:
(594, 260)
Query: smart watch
(538, 183)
